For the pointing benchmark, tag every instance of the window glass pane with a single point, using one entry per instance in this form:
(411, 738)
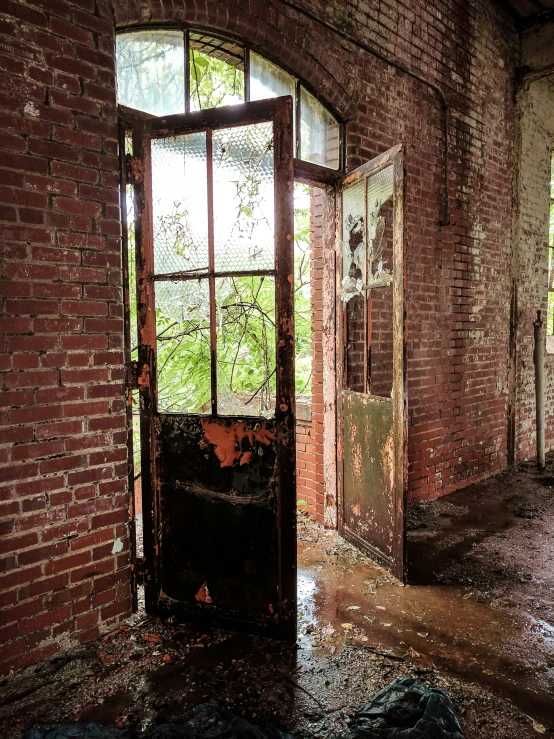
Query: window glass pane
(244, 208)
(268, 81)
(151, 71)
(180, 203)
(245, 345)
(216, 72)
(183, 346)
(319, 132)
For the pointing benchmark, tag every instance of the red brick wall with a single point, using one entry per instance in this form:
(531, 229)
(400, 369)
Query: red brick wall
(64, 546)
(310, 466)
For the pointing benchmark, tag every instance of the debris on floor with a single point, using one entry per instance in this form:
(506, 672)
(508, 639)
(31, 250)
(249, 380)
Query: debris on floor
(477, 622)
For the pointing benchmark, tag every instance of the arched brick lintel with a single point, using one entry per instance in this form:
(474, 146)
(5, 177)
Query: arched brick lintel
(275, 33)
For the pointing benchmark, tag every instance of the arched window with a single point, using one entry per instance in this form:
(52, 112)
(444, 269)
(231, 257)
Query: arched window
(169, 71)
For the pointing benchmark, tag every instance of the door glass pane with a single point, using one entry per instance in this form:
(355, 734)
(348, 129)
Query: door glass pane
(180, 203)
(244, 208)
(367, 252)
(151, 71)
(319, 132)
(216, 72)
(245, 346)
(183, 346)
(379, 282)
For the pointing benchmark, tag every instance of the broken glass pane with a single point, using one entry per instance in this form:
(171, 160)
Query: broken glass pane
(380, 341)
(379, 228)
(183, 346)
(151, 71)
(216, 72)
(246, 372)
(244, 208)
(353, 241)
(180, 203)
(319, 133)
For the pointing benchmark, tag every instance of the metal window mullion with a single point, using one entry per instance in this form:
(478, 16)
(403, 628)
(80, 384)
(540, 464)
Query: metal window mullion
(211, 268)
(187, 70)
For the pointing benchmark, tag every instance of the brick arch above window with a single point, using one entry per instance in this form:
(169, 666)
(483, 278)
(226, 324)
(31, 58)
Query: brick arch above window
(291, 42)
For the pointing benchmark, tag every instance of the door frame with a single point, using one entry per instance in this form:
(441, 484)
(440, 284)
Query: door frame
(394, 157)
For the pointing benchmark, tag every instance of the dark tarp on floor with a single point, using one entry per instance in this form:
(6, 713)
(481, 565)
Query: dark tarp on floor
(405, 709)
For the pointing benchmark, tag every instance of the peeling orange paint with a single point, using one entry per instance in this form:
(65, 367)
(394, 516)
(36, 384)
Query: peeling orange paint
(227, 440)
(203, 595)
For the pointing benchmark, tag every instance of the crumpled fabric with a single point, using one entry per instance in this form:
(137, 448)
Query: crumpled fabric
(406, 709)
(206, 721)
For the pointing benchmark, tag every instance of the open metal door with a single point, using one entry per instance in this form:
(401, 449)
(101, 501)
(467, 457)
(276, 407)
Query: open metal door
(372, 413)
(214, 243)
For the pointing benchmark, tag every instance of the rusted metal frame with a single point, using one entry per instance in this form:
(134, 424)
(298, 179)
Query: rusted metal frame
(211, 269)
(329, 365)
(131, 117)
(186, 48)
(127, 354)
(247, 74)
(399, 395)
(340, 360)
(371, 167)
(284, 412)
(298, 114)
(197, 275)
(314, 174)
(259, 111)
(146, 359)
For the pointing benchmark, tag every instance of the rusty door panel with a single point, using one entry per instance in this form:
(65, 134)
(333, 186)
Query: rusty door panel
(371, 377)
(369, 475)
(220, 474)
(219, 500)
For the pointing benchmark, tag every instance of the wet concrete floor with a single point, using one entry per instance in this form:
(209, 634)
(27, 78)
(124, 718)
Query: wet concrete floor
(477, 619)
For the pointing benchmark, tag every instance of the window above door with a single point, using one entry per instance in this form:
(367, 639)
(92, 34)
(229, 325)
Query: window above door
(169, 71)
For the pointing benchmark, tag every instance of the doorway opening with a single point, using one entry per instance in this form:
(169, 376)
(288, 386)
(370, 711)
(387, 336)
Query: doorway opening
(239, 286)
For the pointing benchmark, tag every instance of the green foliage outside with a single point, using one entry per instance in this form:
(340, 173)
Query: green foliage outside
(213, 82)
(245, 322)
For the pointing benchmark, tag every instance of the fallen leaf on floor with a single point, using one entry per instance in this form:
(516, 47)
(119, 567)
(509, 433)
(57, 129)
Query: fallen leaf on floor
(384, 624)
(353, 608)
(423, 634)
(467, 596)
(347, 627)
(381, 608)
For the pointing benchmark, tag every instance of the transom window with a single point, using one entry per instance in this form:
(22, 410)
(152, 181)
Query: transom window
(169, 71)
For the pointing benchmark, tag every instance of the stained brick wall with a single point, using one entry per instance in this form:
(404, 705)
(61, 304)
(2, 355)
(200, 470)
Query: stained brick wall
(64, 546)
(63, 468)
(535, 142)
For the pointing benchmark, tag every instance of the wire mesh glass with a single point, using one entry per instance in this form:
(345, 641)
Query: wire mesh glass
(244, 200)
(267, 80)
(151, 71)
(183, 346)
(353, 241)
(319, 133)
(180, 203)
(379, 227)
(246, 371)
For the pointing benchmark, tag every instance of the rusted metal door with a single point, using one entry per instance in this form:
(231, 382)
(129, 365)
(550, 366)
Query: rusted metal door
(372, 417)
(214, 234)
